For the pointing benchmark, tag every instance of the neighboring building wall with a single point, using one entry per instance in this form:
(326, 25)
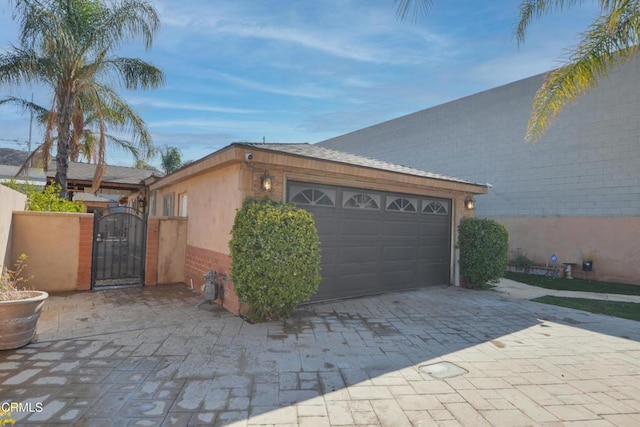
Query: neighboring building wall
(586, 165)
(52, 244)
(11, 201)
(612, 242)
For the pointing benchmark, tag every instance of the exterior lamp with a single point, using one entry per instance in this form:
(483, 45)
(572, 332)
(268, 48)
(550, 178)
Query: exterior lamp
(142, 202)
(266, 182)
(469, 203)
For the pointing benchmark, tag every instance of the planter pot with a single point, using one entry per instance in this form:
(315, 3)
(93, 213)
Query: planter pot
(18, 320)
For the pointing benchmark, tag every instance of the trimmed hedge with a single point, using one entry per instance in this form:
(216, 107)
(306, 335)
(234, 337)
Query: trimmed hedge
(483, 247)
(275, 258)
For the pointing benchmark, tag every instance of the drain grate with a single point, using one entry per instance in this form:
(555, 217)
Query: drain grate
(442, 370)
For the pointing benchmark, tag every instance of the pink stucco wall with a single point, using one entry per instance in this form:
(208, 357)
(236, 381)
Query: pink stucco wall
(51, 242)
(613, 243)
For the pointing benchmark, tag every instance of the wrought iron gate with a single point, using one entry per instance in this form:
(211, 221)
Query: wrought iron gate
(119, 236)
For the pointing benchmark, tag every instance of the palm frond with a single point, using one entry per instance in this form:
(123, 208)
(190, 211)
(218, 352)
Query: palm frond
(530, 9)
(600, 50)
(135, 73)
(415, 8)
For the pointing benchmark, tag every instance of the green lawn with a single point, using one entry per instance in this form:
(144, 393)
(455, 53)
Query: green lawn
(575, 284)
(626, 310)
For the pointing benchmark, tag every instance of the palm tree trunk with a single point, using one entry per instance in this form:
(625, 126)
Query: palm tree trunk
(66, 101)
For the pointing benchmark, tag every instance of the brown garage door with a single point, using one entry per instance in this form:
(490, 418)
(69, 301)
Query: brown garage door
(374, 242)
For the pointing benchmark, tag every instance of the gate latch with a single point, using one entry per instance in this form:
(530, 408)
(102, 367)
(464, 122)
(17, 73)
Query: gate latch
(99, 237)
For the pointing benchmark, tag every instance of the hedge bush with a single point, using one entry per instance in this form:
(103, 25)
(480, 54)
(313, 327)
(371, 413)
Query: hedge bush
(483, 247)
(275, 256)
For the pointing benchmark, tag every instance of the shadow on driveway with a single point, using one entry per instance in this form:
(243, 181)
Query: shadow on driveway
(162, 357)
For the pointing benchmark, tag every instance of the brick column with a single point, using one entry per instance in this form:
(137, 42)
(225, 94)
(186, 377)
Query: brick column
(151, 259)
(85, 254)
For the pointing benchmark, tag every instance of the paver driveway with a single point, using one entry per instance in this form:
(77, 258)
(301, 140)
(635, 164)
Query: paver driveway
(158, 357)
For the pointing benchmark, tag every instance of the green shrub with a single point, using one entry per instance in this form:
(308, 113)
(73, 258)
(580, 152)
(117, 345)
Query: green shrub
(522, 261)
(47, 200)
(275, 256)
(483, 247)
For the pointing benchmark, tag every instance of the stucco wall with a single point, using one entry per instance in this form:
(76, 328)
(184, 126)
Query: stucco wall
(11, 201)
(212, 200)
(50, 241)
(587, 164)
(612, 241)
(171, 250)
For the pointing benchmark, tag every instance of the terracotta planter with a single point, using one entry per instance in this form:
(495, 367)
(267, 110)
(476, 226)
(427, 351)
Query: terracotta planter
(18, 320)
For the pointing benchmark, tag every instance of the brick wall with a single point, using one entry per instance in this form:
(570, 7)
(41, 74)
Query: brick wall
(151, 258)
(200, 261)
(85, 253)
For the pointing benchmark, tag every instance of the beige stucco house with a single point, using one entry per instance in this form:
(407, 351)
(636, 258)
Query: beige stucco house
(382, 227)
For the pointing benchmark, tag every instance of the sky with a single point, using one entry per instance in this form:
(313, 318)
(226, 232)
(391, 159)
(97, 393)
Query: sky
(309, 70)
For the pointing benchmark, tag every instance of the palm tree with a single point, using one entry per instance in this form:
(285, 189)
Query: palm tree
(88, 135)
(612, 38)
(68, 45)
(170, 159)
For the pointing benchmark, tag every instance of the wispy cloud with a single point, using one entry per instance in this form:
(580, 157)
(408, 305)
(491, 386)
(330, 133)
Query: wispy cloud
(307, 91)
(155, 103)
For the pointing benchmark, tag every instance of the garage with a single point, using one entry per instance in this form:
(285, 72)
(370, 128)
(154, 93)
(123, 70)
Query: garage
(374, 241)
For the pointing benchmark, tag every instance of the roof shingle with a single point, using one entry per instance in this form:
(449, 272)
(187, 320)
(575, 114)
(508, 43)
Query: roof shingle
(319, 152)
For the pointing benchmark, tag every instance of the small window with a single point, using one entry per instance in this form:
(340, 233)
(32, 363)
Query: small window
(182, 203)
(435, 207)
(313, 196)
(401, 204)
(361, 200)
(167, 205)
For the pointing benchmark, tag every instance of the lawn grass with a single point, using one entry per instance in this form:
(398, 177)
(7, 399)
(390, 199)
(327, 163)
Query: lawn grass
(575, 284)
(625, 310)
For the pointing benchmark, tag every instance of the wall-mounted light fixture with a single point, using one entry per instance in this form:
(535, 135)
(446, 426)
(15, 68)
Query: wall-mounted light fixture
(266, 182)
(469, 203)
(142, 202)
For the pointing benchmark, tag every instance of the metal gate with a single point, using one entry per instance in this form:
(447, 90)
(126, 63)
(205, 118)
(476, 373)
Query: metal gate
(119, 236)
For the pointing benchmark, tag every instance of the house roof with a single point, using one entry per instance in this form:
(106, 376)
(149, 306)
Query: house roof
(113, 174)
(34, 175)
(89, 197)
(319, 152)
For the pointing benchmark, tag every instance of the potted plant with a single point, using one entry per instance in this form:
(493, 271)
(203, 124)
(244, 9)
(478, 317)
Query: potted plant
(19, 308)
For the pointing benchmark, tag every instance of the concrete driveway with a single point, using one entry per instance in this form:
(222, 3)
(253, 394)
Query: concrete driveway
(147, 357)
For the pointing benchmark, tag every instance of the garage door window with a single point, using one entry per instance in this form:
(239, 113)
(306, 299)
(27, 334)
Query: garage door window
(401, 204)
(313, 196)
(361, 200)
(435, 207)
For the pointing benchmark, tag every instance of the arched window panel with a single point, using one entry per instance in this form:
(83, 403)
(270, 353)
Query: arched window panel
(351, 199)
(435, 207)
(312, 196)
(402, 204)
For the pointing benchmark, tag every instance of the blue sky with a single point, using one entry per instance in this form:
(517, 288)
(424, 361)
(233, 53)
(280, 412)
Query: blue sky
(308, 70)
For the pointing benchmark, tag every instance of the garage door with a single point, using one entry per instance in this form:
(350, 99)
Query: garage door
(374, 242)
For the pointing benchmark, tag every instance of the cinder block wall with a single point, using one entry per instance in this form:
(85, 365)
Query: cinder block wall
(588, 163)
